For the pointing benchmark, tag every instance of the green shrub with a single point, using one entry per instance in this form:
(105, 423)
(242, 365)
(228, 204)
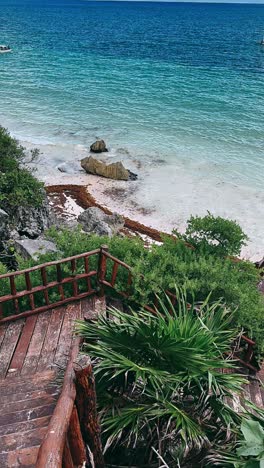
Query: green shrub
(163, 266)
(18, 186)
(214, 235)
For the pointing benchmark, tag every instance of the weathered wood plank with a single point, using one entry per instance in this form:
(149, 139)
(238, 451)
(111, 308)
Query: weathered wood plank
(35, 381)
(36, 343)
(26, 415)
(8, 345)
(2, 332)
(20, 387)
(22, 347)
(22, 440)
(51, 339)
(24, 426)
(65, 338)
(27, 404)
(28, 395)
(19, 458)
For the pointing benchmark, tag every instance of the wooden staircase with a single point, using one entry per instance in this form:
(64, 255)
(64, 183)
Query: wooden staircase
(34, 352)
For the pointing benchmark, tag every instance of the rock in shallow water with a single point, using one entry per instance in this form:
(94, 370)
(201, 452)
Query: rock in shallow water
(111, 171)
(98, 146)
(94, 220)
(114, 171)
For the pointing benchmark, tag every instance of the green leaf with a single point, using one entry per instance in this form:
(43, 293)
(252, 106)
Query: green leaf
(250, 450)
(252, 431)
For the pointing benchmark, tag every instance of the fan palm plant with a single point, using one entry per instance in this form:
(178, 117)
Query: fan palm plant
(161, 382)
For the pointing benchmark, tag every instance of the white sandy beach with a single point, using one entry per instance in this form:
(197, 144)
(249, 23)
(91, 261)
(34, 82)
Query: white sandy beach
(164, 196)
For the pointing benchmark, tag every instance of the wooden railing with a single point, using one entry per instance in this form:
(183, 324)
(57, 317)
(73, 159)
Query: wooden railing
(74, 422)
(84, 281)
(25, 299)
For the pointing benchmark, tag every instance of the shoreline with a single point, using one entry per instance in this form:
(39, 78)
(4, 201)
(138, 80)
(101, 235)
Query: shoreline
(164, 196)
(85, 200)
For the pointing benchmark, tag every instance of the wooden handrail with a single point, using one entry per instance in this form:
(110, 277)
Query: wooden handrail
(48, 264)
(51, 450)
(36, 295)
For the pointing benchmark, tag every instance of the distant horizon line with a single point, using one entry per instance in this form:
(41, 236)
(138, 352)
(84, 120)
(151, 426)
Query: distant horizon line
(215, 2)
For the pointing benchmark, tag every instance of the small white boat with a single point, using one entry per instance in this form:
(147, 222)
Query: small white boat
(4, 49)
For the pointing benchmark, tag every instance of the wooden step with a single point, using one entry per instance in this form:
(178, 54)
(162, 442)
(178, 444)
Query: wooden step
(24, 425)
(28, 404)
(26, 415)
(20, 440)
(20, 458)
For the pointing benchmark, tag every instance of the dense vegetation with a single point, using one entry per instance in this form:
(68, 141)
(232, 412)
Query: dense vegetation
(200, 271)
(161, 393)
(18, 186)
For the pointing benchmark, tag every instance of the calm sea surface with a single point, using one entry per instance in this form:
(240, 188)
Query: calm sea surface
(178, 87)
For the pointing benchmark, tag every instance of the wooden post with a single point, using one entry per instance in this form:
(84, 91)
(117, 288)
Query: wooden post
(86, 406)
(75, 440)
(102, 269)
(67, 461)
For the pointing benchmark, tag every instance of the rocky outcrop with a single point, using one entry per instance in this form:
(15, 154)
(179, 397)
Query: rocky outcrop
(94, 220)
(260, 263)
(4, 227)
(32, 248)
(32, 221)
(98, 146)
(114, 171)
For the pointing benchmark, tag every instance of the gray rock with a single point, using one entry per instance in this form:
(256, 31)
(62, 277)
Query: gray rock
(4, 228)
(30, 221)
(98, 146)
(260, 264)
(132, 175)
(69, 168)
(96, 221)
(261, 286)
(32, 248)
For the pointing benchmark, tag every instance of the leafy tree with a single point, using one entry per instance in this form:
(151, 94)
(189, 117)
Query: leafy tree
(18, 186)
(214, 235)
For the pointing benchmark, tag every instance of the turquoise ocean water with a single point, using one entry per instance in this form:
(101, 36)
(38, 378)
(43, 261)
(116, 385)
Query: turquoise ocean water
(178, 87)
